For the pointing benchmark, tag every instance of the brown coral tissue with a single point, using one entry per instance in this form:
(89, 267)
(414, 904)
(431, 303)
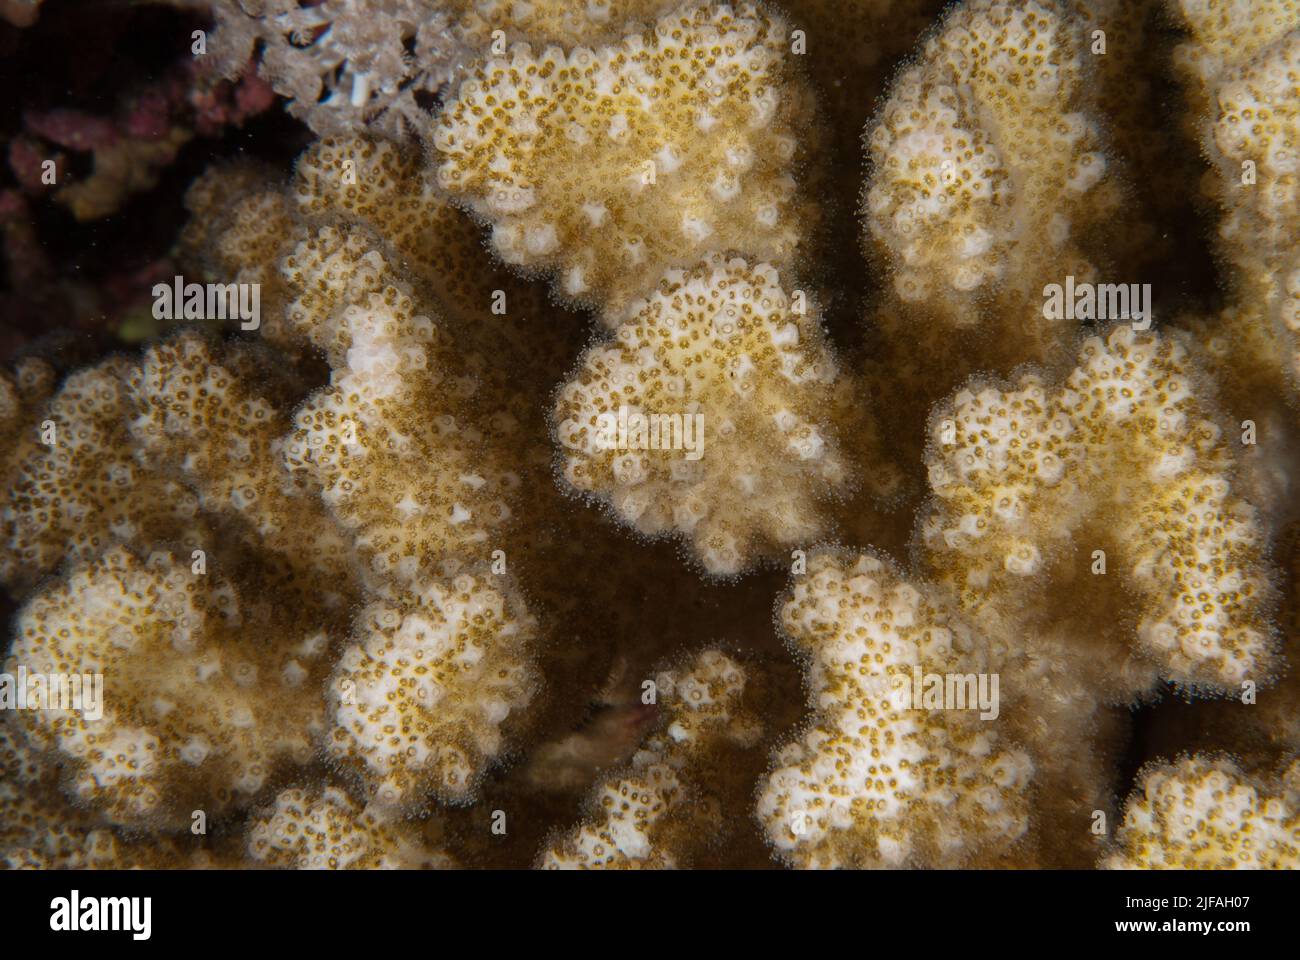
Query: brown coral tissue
(647, 434)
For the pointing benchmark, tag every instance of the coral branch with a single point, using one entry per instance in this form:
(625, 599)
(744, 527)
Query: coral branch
(875, 779)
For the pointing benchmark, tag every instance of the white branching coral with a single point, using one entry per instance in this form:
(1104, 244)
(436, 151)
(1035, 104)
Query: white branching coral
(196, 709)
(1206, 813)
(876, 779)
(611, 165)
(704, 415)
(1126, 456)
(342, 64)
(325, 829)
(988, 167)
(663, 807)
(431, 687)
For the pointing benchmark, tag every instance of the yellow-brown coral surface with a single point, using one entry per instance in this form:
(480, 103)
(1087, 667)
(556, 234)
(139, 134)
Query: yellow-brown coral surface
(677, 434)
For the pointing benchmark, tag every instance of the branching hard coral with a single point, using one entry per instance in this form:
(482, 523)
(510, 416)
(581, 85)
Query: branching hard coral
(197, 416)
(401, 404)
(850, 49)
(989, 177)
(431, 688)
(1093, 525)
(410, 462)
(325, 829)
(201, 706)
(81, 488)
(1261, 727)
(703, 415)
(1126, 456)
(1240, 70)
(372, 182)
(611, 165)
(989, 169)
(42, 829)
(876, 780)
(408, 397)
(389, 411)
(1226, 34)
(177, 448)
(662, 809)
(587, 583)
(388, 190)
(1204, 813)
(245, 226)
(334, 568)
(241, 225)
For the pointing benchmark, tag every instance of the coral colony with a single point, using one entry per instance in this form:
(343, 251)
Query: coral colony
(646, 433)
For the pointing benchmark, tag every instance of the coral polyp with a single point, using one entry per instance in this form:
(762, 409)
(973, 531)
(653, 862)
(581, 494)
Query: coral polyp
(647, 434)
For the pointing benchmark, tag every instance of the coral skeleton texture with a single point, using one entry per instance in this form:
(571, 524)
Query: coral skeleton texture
(616, 471)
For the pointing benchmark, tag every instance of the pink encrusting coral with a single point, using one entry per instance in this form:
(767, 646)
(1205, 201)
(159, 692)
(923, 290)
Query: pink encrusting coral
(131, 149)
(461, 547)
